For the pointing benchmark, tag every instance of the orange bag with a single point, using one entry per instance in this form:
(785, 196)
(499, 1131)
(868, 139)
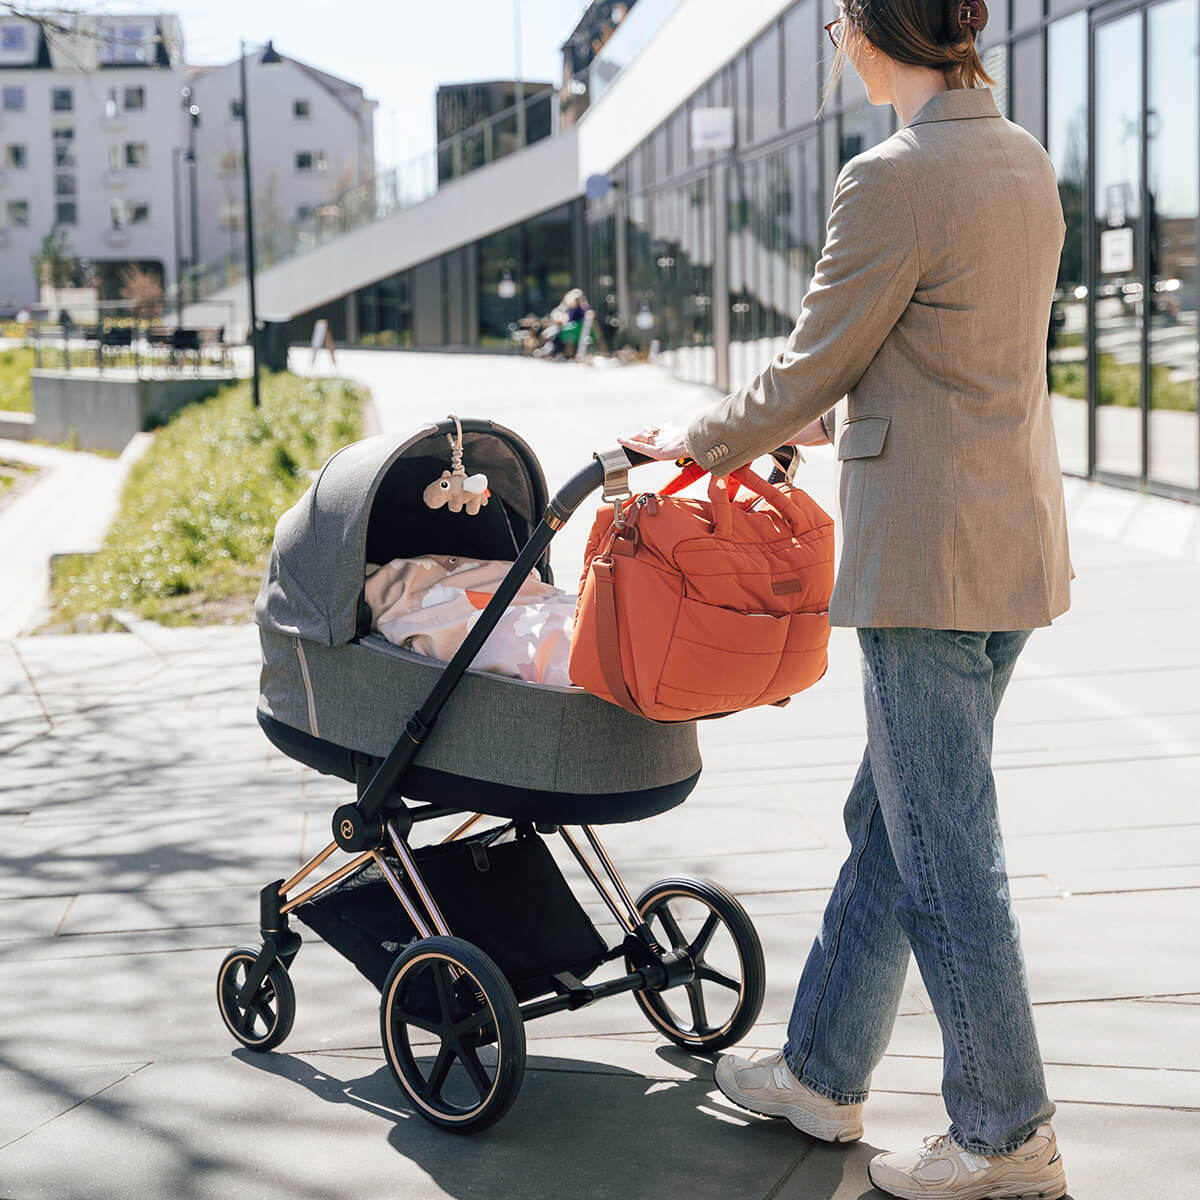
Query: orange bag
(700, 608)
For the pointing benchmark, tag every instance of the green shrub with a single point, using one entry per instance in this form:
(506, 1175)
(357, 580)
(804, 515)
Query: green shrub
(16, 392)
(1120, 384)
(198, 512)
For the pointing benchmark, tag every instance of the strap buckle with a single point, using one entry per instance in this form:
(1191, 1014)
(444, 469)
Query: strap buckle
(616, 481)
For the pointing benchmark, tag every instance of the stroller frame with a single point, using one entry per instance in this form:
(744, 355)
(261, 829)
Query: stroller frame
(478, 1006)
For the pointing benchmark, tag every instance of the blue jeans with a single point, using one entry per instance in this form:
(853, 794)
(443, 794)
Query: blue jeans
(926, 872)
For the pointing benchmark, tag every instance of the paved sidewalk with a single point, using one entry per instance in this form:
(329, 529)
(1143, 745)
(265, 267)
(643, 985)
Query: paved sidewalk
(142, 810)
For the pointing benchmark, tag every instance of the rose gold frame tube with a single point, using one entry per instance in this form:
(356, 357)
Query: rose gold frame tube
(410, 867)
(422, 926)
(611, 871)
(622, 918)
(310, 866)
(328, 881)
(470, 823)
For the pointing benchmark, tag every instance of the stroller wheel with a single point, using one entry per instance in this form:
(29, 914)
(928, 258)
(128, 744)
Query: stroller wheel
(452, 1033)
(717, 1007)
(266, 1019)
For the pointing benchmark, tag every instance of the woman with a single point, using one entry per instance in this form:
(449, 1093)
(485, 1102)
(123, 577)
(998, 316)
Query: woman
(928, 311)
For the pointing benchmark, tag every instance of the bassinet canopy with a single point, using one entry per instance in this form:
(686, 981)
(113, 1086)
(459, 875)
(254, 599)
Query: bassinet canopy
(365, 506)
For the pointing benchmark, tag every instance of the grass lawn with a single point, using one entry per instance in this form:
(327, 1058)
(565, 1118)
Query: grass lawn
(16, 393)
(189, 542)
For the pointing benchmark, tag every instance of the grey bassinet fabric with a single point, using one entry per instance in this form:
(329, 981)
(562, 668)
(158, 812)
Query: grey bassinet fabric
(314, 578)
(495, 729)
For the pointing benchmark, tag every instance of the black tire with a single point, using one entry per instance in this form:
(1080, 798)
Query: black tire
(267, 1019)
(674, 909)
(452, 993)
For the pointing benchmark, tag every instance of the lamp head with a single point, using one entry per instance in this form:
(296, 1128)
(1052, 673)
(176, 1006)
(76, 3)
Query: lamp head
(270, 56)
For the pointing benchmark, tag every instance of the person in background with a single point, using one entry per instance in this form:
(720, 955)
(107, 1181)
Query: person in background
(928, 312)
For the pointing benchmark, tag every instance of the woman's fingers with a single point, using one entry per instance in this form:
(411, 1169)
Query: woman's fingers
(656, 442)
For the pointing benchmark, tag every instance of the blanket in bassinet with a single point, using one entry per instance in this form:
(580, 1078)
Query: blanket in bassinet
(429, 604)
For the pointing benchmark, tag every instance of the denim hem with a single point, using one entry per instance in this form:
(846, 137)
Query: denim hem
(992, 1151)
(831, 1093)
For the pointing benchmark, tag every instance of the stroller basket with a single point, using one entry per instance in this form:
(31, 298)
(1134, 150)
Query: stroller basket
(507, 897)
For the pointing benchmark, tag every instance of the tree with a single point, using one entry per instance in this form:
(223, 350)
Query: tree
(54, 265)
(144, 291)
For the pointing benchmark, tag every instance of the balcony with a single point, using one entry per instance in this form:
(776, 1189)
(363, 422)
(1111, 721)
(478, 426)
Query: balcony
(114, 177)
(114, 236)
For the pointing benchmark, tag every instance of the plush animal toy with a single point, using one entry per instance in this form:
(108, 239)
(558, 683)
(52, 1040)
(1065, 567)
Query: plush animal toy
(462, 492)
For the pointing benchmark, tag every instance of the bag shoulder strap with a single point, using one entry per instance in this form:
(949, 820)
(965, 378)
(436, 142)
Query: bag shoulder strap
(608, 642)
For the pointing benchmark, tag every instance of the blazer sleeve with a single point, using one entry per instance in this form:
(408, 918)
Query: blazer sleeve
(863, 282)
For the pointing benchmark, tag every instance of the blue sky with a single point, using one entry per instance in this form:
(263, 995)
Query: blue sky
(398, 50)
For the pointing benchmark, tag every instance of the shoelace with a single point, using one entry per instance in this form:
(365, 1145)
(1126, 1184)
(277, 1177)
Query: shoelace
(934, 1144)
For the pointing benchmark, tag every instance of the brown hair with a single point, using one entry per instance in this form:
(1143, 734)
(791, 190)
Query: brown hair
(939, 34)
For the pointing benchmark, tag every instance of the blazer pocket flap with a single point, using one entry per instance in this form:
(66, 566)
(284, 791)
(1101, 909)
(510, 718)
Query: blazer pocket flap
(863, 437)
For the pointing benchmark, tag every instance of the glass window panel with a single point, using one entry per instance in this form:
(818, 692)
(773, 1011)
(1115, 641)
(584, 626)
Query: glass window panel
(500, 277)
(739, 293)
(764, 71)
(1025, 13)
(1172, 152)
(680, 139)
(743, 89)
(1119, 266)
(1064, 6)
(1027, 85)
(861, 128)
(800, 64)
(995, 63)
(661, 166)
(1067, 143)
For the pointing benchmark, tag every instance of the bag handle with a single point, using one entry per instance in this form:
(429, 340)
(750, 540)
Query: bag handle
(688, 476)
(722, 497)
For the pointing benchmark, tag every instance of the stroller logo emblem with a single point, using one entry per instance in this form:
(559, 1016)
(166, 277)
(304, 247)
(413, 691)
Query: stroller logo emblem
(347, 828)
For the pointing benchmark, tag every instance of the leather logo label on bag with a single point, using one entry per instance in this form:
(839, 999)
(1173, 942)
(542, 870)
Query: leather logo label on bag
(785, 587)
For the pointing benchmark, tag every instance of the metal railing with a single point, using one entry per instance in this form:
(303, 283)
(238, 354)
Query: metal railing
(404, 186)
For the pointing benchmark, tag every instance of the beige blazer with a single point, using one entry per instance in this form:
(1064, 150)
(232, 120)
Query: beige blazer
(928, 312)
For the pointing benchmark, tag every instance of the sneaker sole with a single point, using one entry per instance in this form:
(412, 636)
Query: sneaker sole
(799, 1118)
(1046, 1190)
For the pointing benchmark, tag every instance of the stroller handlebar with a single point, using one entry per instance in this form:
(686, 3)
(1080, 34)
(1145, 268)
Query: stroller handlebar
(581, 485)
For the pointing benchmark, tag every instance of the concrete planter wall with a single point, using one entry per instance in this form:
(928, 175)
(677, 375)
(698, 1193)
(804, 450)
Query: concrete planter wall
(102, 412)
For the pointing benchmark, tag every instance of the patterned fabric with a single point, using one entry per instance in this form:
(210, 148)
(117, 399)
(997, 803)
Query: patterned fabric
(430, 604)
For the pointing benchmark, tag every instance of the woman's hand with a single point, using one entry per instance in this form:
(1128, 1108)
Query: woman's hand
(813, 434)
(656, 442)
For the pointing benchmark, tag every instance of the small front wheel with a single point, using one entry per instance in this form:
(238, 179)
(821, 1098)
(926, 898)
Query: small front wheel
(264, 1019)
(452, 1033)
(721, 1002)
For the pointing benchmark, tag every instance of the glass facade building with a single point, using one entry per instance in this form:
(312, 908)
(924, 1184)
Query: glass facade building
(704, 256)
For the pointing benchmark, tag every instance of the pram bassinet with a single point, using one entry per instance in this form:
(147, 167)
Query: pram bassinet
(331, 688)
(469, 937)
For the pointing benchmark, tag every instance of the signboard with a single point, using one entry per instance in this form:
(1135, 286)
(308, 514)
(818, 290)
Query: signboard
(1116, 251)
(712, 129)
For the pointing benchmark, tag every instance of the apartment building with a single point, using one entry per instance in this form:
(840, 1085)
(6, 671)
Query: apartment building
(312, 140)
(88, 114)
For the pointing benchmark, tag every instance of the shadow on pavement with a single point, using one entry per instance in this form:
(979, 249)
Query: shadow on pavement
(596, 1130)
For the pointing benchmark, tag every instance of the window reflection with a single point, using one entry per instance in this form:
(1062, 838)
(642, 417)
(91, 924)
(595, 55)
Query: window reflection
(1117, 199)
(1067, 143)
(1173, 146)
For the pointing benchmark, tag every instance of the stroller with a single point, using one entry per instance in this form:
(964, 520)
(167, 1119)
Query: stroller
(469, 936)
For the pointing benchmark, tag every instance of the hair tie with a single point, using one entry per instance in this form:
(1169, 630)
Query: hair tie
(970, 15)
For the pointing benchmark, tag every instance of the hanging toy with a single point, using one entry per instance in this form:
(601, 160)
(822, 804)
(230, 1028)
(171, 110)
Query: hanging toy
(462, 492)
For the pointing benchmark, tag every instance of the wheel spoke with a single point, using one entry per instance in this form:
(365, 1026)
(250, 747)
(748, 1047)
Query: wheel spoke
(263, 1010)
(470, 1060)
(667, 917)
(698, 947)
(401, 1017)
(699, 1012)
(712, 975)
(437, 1076)
(445, 993)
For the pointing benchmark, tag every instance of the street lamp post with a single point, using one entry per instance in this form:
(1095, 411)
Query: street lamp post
(175, 156)
(192, 112)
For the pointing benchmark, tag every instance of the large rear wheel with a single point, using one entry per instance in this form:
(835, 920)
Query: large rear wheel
(722, 1001)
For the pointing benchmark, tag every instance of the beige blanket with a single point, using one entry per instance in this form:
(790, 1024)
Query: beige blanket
(430, 604)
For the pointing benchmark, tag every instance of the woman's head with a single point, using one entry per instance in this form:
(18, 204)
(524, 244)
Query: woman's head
(938, 35)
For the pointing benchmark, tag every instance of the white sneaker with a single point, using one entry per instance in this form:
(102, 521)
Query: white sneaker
(943, 1170)
(767, 1086)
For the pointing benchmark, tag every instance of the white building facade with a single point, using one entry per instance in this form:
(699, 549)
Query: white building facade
(311, 140)
(89, 114)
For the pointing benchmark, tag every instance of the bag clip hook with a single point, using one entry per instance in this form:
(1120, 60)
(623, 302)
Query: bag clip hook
(616, 481)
